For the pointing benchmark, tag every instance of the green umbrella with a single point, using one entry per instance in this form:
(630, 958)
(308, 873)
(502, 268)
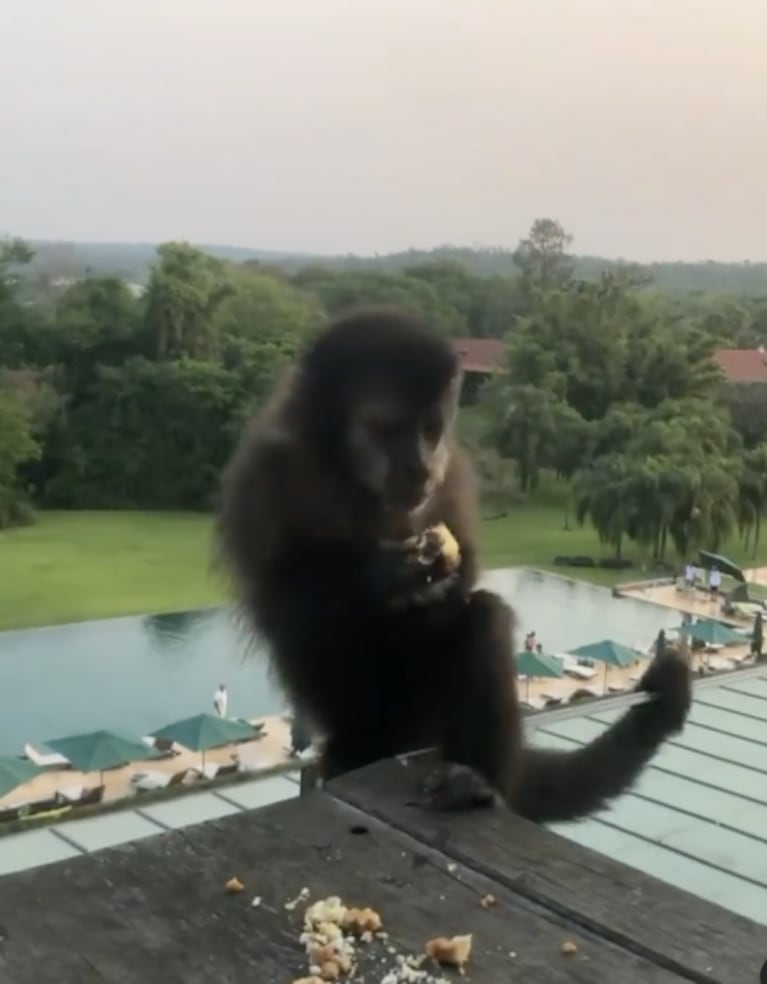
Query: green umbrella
(711, 632)
(15, 772)
(100, 750)
(205, 731)
(608, 652)
(531, 665)
(724, 564)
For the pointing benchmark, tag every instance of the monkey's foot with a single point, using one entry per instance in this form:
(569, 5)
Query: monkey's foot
(458, 787)
(669, 680)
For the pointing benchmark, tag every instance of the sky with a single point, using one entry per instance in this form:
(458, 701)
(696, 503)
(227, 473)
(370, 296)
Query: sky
(376, 125)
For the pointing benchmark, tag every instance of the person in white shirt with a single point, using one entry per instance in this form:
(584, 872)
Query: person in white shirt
(220, 700)
(714, 580)
(689, 576)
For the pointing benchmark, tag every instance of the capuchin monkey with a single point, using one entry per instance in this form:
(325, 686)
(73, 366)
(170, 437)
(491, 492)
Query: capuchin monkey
(325, 509)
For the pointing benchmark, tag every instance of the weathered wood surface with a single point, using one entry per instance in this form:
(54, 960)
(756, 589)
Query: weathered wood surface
(156, 911)
(693, 938)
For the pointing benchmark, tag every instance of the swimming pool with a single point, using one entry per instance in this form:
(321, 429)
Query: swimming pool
(135, 674)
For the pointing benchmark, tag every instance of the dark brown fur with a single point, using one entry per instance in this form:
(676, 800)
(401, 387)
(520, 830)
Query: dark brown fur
(304, 542)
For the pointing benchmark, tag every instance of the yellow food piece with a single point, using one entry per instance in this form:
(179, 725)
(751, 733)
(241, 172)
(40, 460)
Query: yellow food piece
(234, 885)
(453, 952)
(569, 948)
(448, 544)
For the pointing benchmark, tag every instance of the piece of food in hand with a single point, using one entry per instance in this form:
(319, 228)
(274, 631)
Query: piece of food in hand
(449, 547)
(452, 953)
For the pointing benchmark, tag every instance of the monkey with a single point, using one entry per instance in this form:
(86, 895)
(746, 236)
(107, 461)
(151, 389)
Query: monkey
(320, 512)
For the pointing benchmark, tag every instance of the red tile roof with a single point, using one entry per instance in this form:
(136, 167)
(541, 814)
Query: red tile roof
(480, 354)
(743, 365)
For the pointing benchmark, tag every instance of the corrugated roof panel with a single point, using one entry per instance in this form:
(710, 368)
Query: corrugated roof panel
(96, 833)
(261, 792)
(732, 700)
(31, 849)
(184, 811)
(698, 816)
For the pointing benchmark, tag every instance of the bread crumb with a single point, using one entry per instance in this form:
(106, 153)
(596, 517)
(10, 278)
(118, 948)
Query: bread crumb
(452, 952)
(309, 980)
(568, 947)
(361, 921)
(234, 885)
(488, 901)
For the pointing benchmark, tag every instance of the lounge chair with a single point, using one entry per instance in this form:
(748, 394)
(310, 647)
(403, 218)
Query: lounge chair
(152, 779)
(46, 760)
(80, 795)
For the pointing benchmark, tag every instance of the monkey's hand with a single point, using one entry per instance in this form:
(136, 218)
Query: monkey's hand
(458, 787)
(414, 575)
(669, 681)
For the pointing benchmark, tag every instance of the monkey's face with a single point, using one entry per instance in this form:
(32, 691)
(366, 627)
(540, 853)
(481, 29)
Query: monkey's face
(399, 452)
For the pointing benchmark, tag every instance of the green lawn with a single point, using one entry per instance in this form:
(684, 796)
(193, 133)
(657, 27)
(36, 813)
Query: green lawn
(76, 566)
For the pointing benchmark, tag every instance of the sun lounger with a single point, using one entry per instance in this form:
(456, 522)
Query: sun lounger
(151, 779)
(46, 760)
(80, 795)
(166, 749)
(583, 693)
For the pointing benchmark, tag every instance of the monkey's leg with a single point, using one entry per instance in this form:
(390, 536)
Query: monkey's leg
(481, 727)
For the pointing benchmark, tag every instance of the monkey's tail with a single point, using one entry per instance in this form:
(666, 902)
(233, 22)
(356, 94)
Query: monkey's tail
(557, 786)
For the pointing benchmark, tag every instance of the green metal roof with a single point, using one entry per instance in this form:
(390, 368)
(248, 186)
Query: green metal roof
(698, 816)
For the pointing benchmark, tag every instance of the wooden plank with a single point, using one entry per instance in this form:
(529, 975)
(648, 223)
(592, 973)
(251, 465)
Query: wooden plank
(156, 911)
(699, 941)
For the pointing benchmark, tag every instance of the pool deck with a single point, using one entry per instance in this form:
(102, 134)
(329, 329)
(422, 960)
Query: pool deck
(264, 753)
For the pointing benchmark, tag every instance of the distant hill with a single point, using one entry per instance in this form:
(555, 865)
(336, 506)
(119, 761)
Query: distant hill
(133, 262)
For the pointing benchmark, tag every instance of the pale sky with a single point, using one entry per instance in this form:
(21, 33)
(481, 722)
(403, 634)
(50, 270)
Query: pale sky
(374, 125)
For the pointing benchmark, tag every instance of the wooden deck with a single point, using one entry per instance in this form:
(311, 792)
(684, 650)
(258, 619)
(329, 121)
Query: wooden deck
(156, 911)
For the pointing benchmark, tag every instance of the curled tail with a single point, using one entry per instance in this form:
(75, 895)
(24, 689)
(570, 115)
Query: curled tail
(557, 786)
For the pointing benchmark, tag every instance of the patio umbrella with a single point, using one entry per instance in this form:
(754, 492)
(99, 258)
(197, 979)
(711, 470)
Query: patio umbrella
(98, 751)
(204, 731)
(15, 771)
(724, 564)
(531, 665)
(711, 632)
(608, 652)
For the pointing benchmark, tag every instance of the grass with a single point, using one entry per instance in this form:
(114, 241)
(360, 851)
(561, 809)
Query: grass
(71, 567)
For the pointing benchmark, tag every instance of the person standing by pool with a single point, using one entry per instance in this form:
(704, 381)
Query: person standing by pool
(714, 581)
(221, 700)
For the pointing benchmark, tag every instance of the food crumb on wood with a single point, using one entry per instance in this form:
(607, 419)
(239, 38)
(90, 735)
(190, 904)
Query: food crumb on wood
(452, 868)
(488, 902)
(302, 896)
(309, 980)
(256, 902)
(234, 885)
(452, 952)
(569, 948)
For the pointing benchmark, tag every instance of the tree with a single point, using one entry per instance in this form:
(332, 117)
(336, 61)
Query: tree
(752, 498)
(542, 257)
(17, 447)
(185, 290)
